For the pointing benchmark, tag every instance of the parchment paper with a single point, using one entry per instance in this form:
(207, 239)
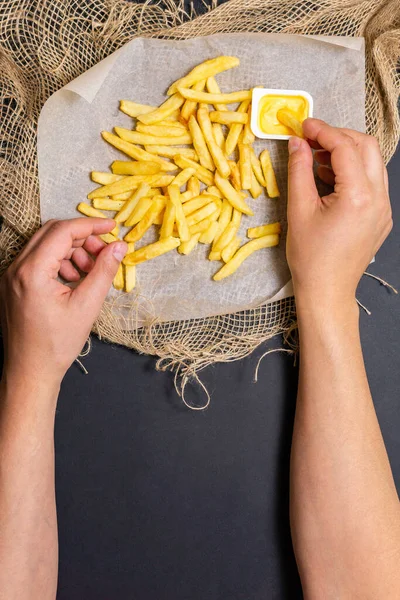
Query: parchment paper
(174, 287)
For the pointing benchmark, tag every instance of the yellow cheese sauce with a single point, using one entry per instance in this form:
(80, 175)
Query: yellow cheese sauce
(269, 106)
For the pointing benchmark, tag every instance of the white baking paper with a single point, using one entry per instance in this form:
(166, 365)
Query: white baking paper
(174, 287)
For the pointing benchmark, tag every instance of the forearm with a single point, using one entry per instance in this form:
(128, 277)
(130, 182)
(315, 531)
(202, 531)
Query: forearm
(28, 523)
(344, 507)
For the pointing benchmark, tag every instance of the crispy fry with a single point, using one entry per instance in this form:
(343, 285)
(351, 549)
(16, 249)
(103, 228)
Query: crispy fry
(163, 112)
(183, 177)
(189, 108)
(193, 185)
(108, 238)
(186, 196)
(229, 232)
(134, 151)
(89, 211)
(255, 188)
(214, 191)
(136, 137)
(200, 145)
(248, 135)
(169, 219)
(160, 217)
(214, 255)
(224, 219)
(213, 87)
(147, 221)
(230, 249)
(235, 130)
(171, 151)
(201, 214)
(202, 225)
(269, 174)
(288, 118)
(206, 69)
(228, 117)
(218, 135)
(151, 251)
(106, 204)
(207, 98)
(122, 197)
(128, 167)
(104, 178)
(229, 192)
(208, 235)
(203, 174)
(256, 232)
(130, 204)
(197, 202)
(256, 166)
(235, 175)
(130, 271)
(119, 280)
(162, 130)
(139, 211)
(169, 122)
(133, 109)
(218, 156)
(230, 267)
(126, 184)
(187, 247)
(181, 222)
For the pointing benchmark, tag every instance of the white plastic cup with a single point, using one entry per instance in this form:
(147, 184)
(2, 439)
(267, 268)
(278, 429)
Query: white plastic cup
(258, 94)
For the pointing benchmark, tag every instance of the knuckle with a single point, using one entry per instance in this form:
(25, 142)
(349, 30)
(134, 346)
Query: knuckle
(56, 226)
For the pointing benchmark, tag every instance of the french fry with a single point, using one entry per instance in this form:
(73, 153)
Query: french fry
(235, 130)
(203, 174)
(193, 185)
(139, 211)
(244, 252)
(213, 87)
(104, 178)
(214, 255)
(200, 145)
(160, 180)
(108, 238)
(255, 188)
(288, 118)
(183, 177)
(256, 166)
(201, 214)
(186, 196)
(230, 249)
(214, 191)
(248, 135)
(162, 130)
(269, 175)
(168, 123)
(159, 218)
(181, 222)
(89, 211)
(201, 225)
(189, 108)
(133, 109)
(130, 271)
(151, 251)
(206, 69)
(208, 235)
(119, 280)
(135, 137)
(130, 204)
(106, 204)
(227, 117)
(218, 156)
(235, 175)
(171, 151)
(223, 220)
(229, 232)
(169, 219)
(137, 232)
(229, 192)
(207, 98)
(122, 197)
(218, 134)
(128, 167)
(261, 230)
(197, 202)
(163, 112)
(187, 247)
(134, 151)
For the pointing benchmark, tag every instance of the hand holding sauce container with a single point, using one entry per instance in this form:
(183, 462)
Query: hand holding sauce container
(266, 103)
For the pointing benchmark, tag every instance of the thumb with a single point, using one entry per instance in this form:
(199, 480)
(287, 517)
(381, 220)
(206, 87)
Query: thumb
(93, 289)
(301, 183)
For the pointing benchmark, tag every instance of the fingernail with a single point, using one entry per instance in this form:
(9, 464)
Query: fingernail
(119, 250)
(294, 144)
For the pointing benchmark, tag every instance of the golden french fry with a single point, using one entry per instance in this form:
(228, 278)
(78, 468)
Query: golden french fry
(147, 221)
(256, 232)
(203, 174)
(229, 232)
(248, 135)
(201, 225)
(135, 137)
(200, 145)
(160, 218)
(235, 175)
(235, 130)
(137, 214)
(218, 156)
(244, 252)
(245, 166)
(227, 117)
(218, 134)
(106, 204)
(162, 130)
(89, 211)
(134, 151)
(168, 123)
(130, 275)
(269, 174)
(131, 167)
(208, 235)
(214, 255)
(108, 238)
(206, 69)
(207, 98)
(229, 192)
(122, 197)
(197, 202)
(181, 222)
(119, 280)
(130, 204)
(183, 177)
(288, 118)
(230, 249)
(193, 185)
(104, 178)
(186, 196)
(151, 251)
(171, 151)
(256, 166)
(163, 112)
(201, 214)
(187, 247)
(224, 219)
(189, 108)
(255, 188)
(169, 219)
(214, 191)
(133, 109)
(213, 88)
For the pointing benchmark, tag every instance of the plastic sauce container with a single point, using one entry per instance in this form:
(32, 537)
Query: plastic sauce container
(266, 103)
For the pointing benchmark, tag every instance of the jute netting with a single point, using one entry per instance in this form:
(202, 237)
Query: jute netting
(44, 44)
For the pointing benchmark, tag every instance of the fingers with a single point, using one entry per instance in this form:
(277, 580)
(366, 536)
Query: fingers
(93, 289)
(82, 260)
(326, 175)
(302, 189)
(68, 271)
(94, 245)
(322, 157)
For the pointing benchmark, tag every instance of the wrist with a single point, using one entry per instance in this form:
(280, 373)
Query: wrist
(326, 307)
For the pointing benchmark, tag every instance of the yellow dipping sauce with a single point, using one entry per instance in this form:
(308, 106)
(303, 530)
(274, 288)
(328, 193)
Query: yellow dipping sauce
(269, 106)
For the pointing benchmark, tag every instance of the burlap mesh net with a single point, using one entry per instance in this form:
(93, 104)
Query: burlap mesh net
(46, 43)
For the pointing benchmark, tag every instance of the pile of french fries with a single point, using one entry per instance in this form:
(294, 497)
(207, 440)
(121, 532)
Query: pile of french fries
(191, 165)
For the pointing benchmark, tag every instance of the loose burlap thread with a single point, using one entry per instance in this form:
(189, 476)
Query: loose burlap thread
(44, 44)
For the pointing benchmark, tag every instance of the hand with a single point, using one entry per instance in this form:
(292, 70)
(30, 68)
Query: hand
(45, 323)
(331, 240)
